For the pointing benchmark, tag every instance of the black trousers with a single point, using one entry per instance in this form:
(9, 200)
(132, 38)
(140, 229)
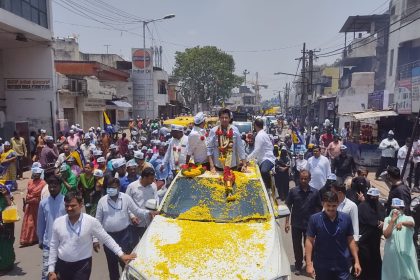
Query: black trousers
(136, 235)
(384, 163)
(297, 235)
(79, 270)
(19, 166)
(123, 238)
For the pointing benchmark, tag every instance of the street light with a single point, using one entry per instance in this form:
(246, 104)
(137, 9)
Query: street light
(145, 23)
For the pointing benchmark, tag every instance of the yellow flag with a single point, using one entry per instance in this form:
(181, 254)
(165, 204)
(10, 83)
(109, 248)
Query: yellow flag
(76, 156)
(107, 121)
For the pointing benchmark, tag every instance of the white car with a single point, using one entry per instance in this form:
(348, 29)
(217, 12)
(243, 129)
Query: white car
(209, 231)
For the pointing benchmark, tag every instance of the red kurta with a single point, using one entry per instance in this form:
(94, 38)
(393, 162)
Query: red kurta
(33, 198)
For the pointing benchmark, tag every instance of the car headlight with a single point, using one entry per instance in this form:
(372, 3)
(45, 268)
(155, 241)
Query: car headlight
(132, 274)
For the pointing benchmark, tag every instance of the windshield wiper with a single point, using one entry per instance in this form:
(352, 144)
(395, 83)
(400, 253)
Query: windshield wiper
(247, 219)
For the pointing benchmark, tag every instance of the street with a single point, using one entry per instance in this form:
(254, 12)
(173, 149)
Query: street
(28, 259)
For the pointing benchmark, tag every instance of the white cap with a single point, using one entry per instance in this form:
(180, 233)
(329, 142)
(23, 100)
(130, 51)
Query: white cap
(130, 147)
(373, 192)
(7, 143)
(134, 132)
(98, 128)
(36, 164)
(332, 176)
(396, 202)
(87, 136)
(43, 131)
(100, 160)
(391, 133)
(71, 131)
(117, 163)
(176, 127)
(144, 148)
(37, 170)
(132, 163)
(149, 151)
(112, 147)
(199, 118)
(343, 147)
(138, 155)
(49, 138)
(98, 173)
(77, 125)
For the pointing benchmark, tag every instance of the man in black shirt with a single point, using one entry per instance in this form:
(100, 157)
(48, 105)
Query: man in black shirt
(303, 201)
(343, 166)
(398, 190)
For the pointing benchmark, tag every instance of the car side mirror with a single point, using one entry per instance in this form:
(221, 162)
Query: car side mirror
(282, 212)
(151, 204)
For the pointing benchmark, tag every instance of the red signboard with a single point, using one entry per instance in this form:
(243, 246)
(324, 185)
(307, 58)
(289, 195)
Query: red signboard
(141, 59)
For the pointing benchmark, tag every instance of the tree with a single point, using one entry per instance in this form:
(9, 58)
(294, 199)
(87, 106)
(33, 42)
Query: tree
(205, 75)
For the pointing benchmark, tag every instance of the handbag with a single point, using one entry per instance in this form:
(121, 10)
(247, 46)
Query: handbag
(10, 214)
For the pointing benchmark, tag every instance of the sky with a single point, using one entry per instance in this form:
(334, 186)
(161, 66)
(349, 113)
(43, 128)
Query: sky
(264, 36)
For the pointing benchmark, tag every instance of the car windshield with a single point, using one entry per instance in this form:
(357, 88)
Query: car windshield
(207, 199)
(244, 127)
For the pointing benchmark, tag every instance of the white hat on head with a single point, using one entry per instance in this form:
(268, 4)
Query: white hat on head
(117, 163)
(390, 132)
(138, 155)
(332, 176)
(101, 160)
(37, 170)
(132, 163)
(7, 143)
(87, 136)
(396, 202)
(97, 152)
(144, 148)
(71, 131)
(130, 147)
(77, 125)
(199, 118)
(373, 192)
(43, 131)
(134, 132)
(98, 173)
(343, 147)
(112, 146)
(49, 138)
(176, 127)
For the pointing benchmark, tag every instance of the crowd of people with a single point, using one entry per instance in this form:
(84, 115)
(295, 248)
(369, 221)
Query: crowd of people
(332, 204)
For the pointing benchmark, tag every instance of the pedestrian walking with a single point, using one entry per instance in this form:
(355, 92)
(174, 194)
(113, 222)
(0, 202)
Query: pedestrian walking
(28, 235)
(388, 146)
(113, 213)
(397, 190)
(50, 208)
(401, 155)
(415, 169)
(359, 186)
(281, 176)
(71, 244)
(303, 201)
(19, 146)
(141, 191)
(263, 153)
(319, 167)
(371, 221)
(69, 181)
(347, 206)
(400, 259)
(7, 234)
(343, 166)
(330, 244)
(334, 148)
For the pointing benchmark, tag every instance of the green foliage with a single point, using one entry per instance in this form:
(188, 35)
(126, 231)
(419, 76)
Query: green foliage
(205, 74)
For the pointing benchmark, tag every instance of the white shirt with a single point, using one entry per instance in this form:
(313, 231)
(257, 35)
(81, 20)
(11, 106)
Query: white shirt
(388, 152)
(197, 147)
(320, 168)
(140, 195)
(72, 243)
(402, 153)
(350, 208)
(170, 154)
(87, 150)
(263, 148)
(61, 158)
(301, 164)
(416, 147)
(114, 215)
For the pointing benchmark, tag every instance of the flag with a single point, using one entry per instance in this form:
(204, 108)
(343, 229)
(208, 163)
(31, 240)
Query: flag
(107, 121)
(78, 156)
(296, 138)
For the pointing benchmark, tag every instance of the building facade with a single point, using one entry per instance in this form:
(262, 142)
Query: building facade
(27, 92)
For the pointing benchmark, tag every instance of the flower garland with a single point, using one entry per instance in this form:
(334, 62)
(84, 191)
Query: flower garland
(192, 170)
(225, 145)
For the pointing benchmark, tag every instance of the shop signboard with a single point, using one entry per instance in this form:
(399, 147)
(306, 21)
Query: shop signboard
(403, 96)
(415, 91)
(376, 100)
(28, 84)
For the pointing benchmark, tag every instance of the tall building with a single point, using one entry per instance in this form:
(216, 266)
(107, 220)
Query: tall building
(27, 94)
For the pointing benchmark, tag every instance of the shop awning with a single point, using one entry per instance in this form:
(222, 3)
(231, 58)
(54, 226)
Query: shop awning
(374, 114)
(118, 103)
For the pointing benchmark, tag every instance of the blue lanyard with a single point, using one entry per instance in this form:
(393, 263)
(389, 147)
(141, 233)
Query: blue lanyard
(116, 208)
(72, 228)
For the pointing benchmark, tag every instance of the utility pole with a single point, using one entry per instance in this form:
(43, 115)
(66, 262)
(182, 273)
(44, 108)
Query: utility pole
(246, 72)
(286, 98)
(311, 71)
(303, 96)
(107, 48)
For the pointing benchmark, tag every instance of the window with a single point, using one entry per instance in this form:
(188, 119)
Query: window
(391, 62)
(32, 10)
(161, 87)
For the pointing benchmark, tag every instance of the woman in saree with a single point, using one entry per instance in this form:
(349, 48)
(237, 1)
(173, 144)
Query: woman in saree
(400, 259)
(8, 163)
(28, 235)
(7, 236)
(89, 186)
(69, 181)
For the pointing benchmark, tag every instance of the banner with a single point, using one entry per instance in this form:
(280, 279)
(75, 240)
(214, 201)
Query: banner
(403, 96)
(376, 100)
(415, 89)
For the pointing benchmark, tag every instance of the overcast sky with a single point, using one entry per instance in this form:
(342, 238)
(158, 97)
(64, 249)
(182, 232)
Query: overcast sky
(264, 36)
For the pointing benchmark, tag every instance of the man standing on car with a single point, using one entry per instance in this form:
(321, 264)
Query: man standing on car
(263, 152)
(303, 201)
(197, 148)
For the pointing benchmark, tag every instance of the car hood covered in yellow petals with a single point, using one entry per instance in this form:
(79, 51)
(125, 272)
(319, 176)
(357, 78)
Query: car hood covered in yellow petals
(183, 249)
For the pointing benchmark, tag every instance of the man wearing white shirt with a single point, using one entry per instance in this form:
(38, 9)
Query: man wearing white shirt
(197, 147)
(71, 243)
(388, 147)
(401, 155)
(263, 152)
(63, 156)
(177, 151)
(319, 167)
(141, 191)
(113, 213)
(347, 206)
